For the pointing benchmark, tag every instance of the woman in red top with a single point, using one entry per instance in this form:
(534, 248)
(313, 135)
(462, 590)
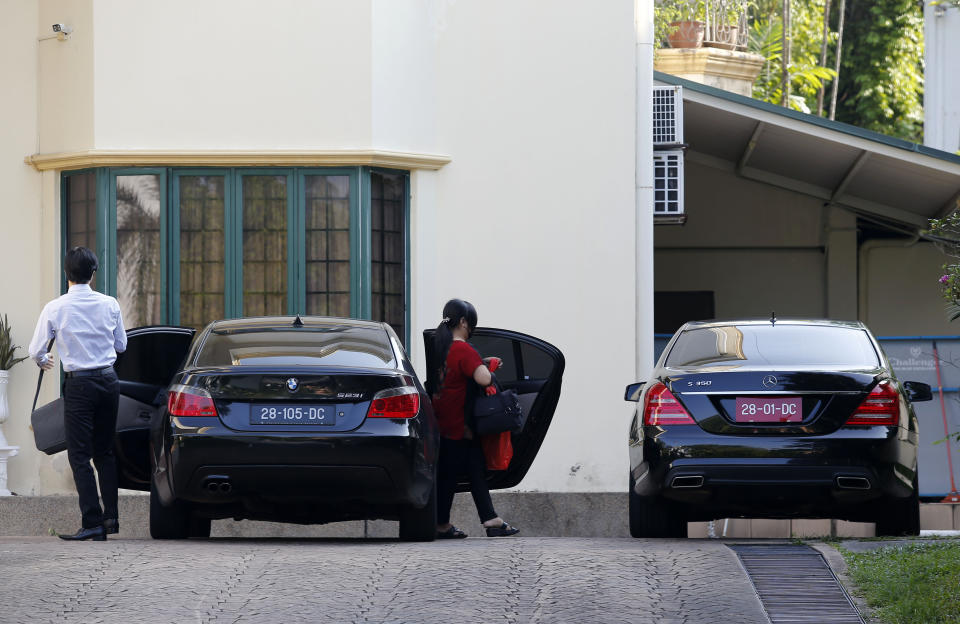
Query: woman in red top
(460, 451)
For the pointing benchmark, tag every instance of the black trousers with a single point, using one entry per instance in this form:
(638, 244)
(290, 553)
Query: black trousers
(459, 458)
(90, 416)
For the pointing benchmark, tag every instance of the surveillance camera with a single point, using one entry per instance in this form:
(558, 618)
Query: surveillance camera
(62, 29)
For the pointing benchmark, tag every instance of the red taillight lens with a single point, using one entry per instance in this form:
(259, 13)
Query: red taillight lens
(185, 401)
(881, 407)
(395, 403)
(662, 408)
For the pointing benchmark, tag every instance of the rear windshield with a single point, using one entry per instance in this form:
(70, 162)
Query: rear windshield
(766, 346)
(328, 346)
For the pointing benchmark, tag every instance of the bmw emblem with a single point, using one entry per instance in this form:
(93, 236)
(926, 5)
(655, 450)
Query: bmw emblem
(768, 382)
(293, 384)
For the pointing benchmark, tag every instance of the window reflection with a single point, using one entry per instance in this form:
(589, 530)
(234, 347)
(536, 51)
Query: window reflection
(138, 249)
(327, 220)
(201, 250)
(81, 212)
(264, 245)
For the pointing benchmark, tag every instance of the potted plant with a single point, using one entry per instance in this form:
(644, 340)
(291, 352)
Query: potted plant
(683, 22)
(7, 361)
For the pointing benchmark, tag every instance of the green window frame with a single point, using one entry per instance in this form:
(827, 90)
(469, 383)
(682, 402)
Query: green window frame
(295, 182)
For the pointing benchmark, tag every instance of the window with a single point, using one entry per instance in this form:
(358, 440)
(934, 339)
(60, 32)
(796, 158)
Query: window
(188, 246)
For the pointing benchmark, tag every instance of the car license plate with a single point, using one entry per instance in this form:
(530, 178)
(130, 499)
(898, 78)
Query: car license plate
(751, 409)
(293, 414)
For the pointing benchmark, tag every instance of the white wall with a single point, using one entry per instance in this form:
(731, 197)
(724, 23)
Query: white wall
(899, 293)
(233, 74)
(28, 233)
(941, 91)
(535, 215)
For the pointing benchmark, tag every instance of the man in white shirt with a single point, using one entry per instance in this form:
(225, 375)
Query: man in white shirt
(89, 333)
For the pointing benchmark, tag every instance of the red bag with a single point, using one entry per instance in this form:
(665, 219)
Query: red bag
(498, 450)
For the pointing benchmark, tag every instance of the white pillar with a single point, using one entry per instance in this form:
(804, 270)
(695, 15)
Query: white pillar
(643, 13)
(6, 452)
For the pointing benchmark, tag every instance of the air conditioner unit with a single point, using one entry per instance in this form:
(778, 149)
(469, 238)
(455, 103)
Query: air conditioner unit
(668, 183)
(667, 117)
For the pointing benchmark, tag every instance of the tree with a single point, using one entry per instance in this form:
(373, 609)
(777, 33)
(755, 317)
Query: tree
(881, 76)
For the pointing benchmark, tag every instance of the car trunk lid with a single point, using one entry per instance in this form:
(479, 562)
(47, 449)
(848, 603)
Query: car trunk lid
(315, 399)
(770, 402)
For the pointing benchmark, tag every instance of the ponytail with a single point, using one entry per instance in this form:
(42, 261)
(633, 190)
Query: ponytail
(453, 312)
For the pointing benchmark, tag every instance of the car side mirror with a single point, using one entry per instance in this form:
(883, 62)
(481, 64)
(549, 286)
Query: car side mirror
(633, 392)
(918, 391)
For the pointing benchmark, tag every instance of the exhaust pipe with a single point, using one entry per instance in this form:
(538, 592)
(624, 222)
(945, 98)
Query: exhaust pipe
(687, 481)
(218, 485)
(853, 483)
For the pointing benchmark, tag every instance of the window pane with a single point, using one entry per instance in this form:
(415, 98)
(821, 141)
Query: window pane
(138, 249)
(264, 245)
(388, 253)
(327, 207)
(201, 250)
(81, 193)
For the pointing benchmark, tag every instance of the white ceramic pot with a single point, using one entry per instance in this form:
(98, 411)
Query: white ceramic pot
(4, 407)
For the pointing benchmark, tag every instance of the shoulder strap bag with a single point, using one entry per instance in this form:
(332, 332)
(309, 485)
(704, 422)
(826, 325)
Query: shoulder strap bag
(498, 412)
(49, 432)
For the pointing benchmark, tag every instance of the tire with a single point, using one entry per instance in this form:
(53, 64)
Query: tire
(171, 522)
(420, 525)
(900, 516)
(655, 517)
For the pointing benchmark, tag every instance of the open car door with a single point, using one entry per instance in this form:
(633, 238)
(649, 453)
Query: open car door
(153, 356)
(533, 369)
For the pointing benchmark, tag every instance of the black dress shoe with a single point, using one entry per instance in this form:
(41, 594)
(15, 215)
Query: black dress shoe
(111, 526)
(97, 534)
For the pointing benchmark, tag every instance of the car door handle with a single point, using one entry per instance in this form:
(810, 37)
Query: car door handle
(144, 415)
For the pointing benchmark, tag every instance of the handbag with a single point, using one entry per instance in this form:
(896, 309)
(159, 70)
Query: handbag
(49, 432)
(498, 412)
(497, 450)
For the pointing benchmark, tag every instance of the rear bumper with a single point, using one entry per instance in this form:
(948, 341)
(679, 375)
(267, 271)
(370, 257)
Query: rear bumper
(374, 472)
(847, 475)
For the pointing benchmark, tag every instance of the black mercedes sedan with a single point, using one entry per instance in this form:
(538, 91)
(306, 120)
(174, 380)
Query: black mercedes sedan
(773, 419)
(304, 420)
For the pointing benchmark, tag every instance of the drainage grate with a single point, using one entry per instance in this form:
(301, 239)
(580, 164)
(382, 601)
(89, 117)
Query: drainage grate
(796, 585)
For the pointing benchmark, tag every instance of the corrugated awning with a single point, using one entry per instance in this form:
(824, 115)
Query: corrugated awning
(890, 179)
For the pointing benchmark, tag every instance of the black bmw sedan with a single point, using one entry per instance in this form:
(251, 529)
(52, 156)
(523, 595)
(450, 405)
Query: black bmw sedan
(773, 419)
(304, 420)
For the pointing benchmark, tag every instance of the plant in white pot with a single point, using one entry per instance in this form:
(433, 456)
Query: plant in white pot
(8, 359)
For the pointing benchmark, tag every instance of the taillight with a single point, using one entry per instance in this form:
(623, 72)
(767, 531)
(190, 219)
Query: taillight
(662, 408)
(881, 407)
(395, 403)
(187, 401)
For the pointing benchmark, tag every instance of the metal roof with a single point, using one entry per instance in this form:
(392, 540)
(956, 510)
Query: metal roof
(889, 179)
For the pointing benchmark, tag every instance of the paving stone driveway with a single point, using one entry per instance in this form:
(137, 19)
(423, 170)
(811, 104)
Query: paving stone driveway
(327, 580)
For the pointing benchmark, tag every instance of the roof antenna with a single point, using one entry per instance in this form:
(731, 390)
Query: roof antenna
(773, 318)
(298, 322)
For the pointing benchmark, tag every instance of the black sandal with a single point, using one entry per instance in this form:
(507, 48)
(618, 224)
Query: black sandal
(503, 530)
(451, 533)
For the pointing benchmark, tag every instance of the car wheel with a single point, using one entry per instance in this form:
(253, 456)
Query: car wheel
(171, 522)
(655, 517)
(420, 525)
(900, 516)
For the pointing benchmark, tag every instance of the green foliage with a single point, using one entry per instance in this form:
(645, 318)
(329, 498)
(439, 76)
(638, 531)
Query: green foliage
(805, 73)
(7, 348)
(910, 584)
(881, 75)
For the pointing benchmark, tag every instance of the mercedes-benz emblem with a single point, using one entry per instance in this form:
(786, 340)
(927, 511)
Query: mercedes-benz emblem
(293, 384)
(768, 382)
